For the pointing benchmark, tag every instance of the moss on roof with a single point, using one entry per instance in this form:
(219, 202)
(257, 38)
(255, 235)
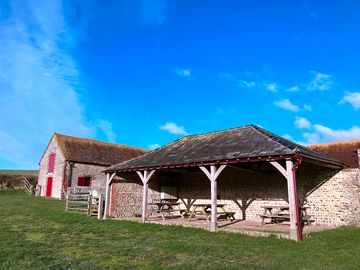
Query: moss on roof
(95, 152)
(238, 143)
(344, 151)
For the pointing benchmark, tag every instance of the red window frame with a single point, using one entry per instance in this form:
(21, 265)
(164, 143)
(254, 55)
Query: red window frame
(84, 181)
(51, 164)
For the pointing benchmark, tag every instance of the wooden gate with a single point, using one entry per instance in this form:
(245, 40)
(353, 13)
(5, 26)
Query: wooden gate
(80, 199)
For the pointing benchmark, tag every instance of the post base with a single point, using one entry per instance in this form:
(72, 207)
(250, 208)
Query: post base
(294, 235)
(213, 226)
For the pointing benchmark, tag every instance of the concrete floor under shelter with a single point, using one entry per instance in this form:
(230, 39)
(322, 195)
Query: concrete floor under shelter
(247, 227)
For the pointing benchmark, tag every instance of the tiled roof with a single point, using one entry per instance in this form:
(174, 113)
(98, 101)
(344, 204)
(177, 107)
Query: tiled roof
(237, 143)
(94, 151)
(343, 151)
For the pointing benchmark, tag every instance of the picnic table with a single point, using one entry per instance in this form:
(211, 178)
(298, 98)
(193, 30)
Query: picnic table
(281, 214)
(204, 209)
(167, 208)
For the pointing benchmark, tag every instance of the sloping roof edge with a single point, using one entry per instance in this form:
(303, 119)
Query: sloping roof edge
(299, 151)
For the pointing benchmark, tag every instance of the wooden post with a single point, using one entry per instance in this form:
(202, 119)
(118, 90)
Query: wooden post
(100, 206)
(213, 224)
(213, 175)
(89, 205)
(109, 178)
(293, 204)
(67, 202)
(144, 202)
(145, 179)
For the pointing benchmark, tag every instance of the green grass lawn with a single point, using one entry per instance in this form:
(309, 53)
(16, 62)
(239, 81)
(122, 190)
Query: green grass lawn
(36, 233)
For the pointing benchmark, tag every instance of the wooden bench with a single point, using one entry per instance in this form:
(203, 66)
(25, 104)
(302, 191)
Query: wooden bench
(224, 215)
(165, 212)
(275, 218)
(168, 212)
(307, 219)
(228, 215)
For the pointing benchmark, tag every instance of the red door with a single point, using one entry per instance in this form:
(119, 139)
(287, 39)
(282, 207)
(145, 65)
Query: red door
(49, 187)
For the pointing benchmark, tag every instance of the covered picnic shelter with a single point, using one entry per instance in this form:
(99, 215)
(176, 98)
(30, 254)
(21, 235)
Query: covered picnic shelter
(248, 148)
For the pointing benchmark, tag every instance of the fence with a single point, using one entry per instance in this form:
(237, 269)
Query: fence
(79, 199)
(27, 186)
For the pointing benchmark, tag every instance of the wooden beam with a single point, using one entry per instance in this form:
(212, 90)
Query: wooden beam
(218, 171)
(293, 204)
(145, 177)
(289, 174)
(109, 178)
(280, 168)
(206, 172)
(213, 174)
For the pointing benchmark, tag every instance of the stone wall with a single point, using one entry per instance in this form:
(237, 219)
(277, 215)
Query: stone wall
(127, 193)
(336, 201)
(62, 172)
(57, 175)
(333, 196)
(98, 178)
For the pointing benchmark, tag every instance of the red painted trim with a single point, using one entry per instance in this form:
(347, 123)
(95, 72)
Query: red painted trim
(51, 164)
(195, 164)
(82, 181)
(49, 185)
(110, 200)
(296, 165)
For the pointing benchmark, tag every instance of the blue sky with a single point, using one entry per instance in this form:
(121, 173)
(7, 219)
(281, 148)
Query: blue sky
(147, 72)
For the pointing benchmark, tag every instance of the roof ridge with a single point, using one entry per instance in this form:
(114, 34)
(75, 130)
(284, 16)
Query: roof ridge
(264, 131)
(337, 142)
(150, 152)
(299, 146)
(216, 131)
(174, 142)
(98, 141)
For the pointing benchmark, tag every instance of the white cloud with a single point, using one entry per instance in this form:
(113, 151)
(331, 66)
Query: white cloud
(173, 128)
(246, 84)
(321, 82)
(153, 146)
(240, 83)
(288, 136)
(302, 123)
(294, 88)
(329, 134)
(353, 99)
(183, 72)
(39, 81)
(287, 105)
(322, 134)
(226, 76)
(153, 11)
(311, 138)
(106, 127)
(307, 107)
(271, 87)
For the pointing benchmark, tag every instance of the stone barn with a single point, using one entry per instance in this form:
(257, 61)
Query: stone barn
(246, 171)
(71, 161)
